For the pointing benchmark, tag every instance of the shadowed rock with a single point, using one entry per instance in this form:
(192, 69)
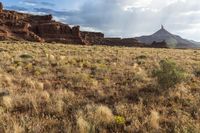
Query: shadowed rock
(1, 6)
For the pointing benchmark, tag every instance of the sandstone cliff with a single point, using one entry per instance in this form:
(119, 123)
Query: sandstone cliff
(20, 26)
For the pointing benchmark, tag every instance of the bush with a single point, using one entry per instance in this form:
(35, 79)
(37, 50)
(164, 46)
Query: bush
(197, 73)
(169, 74)
(141, 57)
(25, 56)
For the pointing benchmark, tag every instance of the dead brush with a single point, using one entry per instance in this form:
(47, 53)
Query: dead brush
(6, 80)
(154, 119)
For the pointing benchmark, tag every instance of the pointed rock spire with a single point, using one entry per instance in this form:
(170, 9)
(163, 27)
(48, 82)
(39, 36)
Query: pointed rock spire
(162, 27)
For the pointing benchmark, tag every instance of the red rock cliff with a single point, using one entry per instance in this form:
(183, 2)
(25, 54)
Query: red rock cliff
(20, 26)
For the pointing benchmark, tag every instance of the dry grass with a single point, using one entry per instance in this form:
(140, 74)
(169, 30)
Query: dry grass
(154, 119)
(84, 126)
(103, 115)
(68, 88)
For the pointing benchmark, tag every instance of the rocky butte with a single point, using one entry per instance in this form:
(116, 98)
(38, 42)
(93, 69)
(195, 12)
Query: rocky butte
(20, 26)
(163, 38)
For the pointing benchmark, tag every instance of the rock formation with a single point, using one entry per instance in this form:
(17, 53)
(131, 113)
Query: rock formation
(97, 38)
(172, 40)
(127, 42)
(1, 7)
(21, 26)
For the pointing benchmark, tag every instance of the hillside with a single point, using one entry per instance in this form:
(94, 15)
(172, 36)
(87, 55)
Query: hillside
(171, 39)
(67, 88)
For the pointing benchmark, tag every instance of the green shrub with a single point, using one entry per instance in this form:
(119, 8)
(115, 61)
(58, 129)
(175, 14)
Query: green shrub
(169, 74)
(141, 57)
(25, 56)
(197, 72)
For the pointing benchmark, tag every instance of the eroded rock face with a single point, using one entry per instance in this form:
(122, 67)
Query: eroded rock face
(92, 37)
(1, 6)
(21, 26)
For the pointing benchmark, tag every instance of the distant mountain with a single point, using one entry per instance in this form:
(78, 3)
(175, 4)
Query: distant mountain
(171, 39)
(197, 43)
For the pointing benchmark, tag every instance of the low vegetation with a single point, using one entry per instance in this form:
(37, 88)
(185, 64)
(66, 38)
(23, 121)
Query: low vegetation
(197, 71)
(60, 88)
(169, 74)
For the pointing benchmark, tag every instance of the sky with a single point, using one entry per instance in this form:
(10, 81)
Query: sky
(120, 18)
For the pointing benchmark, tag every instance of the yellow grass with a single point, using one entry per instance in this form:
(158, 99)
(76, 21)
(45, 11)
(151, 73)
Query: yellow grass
(154, 119)
(69, 88)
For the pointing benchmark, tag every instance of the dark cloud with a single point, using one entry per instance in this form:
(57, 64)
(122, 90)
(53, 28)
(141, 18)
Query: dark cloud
(37, 3)
(47, 4)
(17, 8)
(55, 12)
